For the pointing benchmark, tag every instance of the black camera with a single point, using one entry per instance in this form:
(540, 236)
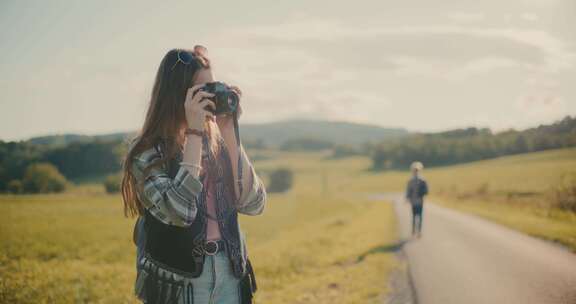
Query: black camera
(226, 99)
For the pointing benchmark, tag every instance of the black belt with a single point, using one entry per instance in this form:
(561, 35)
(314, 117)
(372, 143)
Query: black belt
(213, 247)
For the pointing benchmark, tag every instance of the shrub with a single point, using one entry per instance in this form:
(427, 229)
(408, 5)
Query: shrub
(43, 178)
(15, 186)
(306, 144)
(112, 183)
(280, 180)
(344, 151)
(564, 194)
(483, 189)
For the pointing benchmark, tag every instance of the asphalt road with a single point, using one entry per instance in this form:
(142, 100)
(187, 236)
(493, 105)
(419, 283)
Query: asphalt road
(462, 258)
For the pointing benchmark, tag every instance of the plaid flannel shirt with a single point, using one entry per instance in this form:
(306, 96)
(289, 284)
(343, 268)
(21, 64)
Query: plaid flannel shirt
(173, 200)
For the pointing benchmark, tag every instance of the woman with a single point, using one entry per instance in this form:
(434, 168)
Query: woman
(183, 178)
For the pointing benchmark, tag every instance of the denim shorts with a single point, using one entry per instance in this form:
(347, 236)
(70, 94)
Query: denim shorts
(216, 284)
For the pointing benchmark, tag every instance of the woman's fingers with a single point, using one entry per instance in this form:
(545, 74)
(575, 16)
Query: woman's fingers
(192, 92)
(207, 102)
(196, 88)
(207, 113)
(189, 95)
(239, 110)
(200, 96)
(237, 90)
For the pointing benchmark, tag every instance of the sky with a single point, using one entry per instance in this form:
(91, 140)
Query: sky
(88, 66)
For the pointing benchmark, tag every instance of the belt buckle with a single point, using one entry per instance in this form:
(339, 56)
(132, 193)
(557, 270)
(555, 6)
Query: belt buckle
(210, 252)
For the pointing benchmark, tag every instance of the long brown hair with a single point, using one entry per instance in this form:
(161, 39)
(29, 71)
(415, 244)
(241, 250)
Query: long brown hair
(164, 121)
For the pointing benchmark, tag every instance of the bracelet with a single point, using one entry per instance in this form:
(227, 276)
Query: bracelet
(191, 165)
(195, 132)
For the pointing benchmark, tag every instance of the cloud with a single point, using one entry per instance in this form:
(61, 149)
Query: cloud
(318, 67)
(541, 106)
(359, 47)
(467, 16)
(532, 17)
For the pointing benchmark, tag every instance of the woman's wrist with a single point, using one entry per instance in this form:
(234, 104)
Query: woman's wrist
(194, 131)
(225, 121)
(194, 171)
(196, 125)
(191, 165)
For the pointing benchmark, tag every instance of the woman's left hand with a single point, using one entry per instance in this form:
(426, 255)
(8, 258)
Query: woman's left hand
(226, 121)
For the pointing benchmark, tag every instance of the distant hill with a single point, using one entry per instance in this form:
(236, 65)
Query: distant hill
(337, 132)
(65, 139)
(272, 134)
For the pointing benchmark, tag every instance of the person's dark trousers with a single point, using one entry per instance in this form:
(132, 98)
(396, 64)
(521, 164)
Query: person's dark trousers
(417, 218)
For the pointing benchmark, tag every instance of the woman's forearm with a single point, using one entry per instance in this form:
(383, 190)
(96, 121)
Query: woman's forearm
(232, 147)
(192, 153)
(254, 195)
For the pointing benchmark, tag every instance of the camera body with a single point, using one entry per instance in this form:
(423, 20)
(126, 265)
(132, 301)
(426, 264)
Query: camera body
(226, 100)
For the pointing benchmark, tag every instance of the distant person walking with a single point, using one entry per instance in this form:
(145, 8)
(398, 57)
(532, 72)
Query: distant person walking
(416, 189)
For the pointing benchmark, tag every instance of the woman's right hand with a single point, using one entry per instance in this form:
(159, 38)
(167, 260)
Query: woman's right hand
(194, 105)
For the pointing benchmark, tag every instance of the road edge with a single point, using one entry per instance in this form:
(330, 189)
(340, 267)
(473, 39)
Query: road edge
(401, 284)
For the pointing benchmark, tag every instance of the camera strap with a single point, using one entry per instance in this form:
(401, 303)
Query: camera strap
(237, 133)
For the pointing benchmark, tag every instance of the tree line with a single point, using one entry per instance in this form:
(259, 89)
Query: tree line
(471, 144)
(26, 167)
(30, 167)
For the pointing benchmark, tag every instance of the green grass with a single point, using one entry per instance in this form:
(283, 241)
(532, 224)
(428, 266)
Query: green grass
(321, 242)
(310, 245)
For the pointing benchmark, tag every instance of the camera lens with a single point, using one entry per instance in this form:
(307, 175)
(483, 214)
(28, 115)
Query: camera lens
(232, 101)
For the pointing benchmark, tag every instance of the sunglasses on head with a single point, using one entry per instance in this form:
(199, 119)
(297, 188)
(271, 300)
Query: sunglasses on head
(187, 57)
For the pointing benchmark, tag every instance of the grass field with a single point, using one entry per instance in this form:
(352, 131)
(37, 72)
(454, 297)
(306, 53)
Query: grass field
(318, 243)
(321, 242)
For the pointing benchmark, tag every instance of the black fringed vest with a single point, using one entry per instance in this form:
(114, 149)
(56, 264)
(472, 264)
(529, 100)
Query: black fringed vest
(175, 247)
